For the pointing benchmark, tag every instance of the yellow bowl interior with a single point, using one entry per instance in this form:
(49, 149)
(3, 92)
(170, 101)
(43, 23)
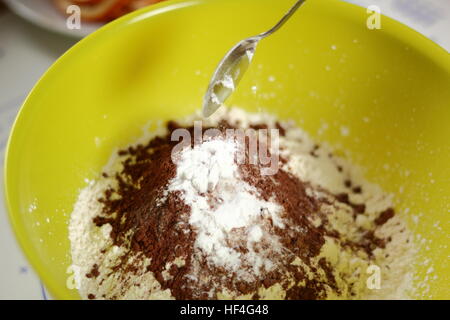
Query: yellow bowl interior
(389, 88)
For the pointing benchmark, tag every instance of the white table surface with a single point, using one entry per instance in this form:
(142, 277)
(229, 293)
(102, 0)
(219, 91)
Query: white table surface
(27, 51)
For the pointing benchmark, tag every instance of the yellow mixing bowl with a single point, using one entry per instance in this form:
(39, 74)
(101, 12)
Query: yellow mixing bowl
(383, 95)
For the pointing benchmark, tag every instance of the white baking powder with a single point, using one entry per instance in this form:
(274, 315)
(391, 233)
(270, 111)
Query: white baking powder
(208, 172)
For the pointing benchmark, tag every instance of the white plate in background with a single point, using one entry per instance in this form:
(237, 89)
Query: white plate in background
(44, 13)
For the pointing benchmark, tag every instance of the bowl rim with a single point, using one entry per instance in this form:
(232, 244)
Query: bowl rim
(426, 46)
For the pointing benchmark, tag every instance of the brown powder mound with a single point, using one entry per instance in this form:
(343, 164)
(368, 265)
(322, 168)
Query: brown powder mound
(154, 223)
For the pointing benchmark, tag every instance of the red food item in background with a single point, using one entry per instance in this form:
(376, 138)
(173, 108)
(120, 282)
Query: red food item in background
(118, 11)
(103, 10)
(86, 1)
(131, 6)
(93, 11)
(138, 4)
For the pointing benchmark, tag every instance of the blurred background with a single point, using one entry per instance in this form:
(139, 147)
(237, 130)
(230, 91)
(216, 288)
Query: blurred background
(34, 33)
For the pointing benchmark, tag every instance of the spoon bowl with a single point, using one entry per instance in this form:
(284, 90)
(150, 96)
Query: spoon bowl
(228, 74)
(232, 67)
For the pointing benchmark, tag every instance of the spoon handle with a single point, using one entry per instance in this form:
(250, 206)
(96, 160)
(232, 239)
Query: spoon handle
(283, 20)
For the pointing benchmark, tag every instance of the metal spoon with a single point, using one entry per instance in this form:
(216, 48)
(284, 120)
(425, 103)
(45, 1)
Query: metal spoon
(233, 66)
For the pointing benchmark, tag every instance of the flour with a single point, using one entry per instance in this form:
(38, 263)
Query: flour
(211, 167)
